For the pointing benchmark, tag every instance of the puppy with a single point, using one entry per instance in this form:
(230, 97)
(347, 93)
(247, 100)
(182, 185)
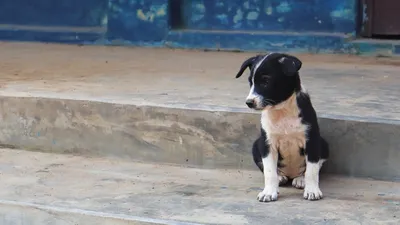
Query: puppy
(290, 145)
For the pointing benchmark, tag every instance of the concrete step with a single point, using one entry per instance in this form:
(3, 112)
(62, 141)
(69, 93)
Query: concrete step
(185, 107)
(42, 189)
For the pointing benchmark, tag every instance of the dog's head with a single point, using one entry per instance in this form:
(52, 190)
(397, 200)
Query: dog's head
(273, 79)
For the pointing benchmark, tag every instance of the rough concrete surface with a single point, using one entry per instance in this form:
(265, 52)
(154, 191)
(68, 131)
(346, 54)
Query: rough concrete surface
(41, 189)
(203, 120)
(209, 139)
(340, 85)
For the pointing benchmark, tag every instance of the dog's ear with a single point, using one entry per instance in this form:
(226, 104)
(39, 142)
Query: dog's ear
(245, 65)
(290, 65)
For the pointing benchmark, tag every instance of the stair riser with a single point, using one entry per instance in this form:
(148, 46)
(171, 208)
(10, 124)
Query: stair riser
(210, 139)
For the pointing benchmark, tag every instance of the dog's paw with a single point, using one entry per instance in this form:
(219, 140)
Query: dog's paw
(283, 180)
(298, 182)
(312, 193)
(268, 195)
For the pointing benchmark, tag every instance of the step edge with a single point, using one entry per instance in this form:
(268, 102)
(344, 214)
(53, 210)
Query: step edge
(121, 217)
(212, 108)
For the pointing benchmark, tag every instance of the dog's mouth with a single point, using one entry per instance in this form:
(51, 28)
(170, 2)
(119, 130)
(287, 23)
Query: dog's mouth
(258, 108)
(255, 105)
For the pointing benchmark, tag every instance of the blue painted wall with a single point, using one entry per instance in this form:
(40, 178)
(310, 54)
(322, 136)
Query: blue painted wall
(260, 25)
(138, 20)
(273, 15)
(54, 12)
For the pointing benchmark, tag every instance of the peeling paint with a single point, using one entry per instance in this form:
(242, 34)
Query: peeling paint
(246, 5)
(238, 17)
(141, 15)
(138, 20)
(337, 16)
(365, 15)
(252, 16)
(269, 11)
(147, 23)
(343, 14)
(200, 8)
(283, 7)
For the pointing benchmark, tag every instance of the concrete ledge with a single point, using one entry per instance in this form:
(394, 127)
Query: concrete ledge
(13, 212)
(308, 42)
(50, 36)
(205, 138)
(304, 42)
(322, 43)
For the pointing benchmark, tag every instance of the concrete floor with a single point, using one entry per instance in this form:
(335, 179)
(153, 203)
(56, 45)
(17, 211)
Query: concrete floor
(40, 188)
(339, 85)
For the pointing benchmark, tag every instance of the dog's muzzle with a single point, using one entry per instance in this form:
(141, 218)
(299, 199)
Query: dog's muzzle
(250, 103)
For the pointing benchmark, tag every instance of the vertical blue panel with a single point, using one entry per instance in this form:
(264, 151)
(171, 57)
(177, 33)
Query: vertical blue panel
(138, 20)
(54, 12)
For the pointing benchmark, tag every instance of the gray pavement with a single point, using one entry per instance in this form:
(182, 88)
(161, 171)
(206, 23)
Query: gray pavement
(339, 85)
(40, 188)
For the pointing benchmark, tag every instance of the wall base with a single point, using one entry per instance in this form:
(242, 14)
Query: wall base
(291, 42)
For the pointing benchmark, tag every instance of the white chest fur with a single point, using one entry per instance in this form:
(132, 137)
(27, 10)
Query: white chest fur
(287, 135)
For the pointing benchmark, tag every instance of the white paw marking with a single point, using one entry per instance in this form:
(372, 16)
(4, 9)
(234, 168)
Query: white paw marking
(312, 193)
(269, 194)
(271, 179)
(311, 190)
(282, 180)
(298, 182)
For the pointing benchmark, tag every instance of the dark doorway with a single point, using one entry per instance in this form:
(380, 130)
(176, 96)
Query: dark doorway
(381, 19)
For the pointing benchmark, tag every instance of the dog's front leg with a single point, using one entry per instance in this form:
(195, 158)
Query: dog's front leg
(311, 178)
(271, 180)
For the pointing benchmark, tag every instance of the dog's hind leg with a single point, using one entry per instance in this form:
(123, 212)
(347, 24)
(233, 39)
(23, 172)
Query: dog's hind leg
(282, 179)
(298, 182)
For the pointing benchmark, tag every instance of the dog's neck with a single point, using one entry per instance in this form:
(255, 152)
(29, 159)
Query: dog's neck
(282, 116)
(284, 119)
(285, 108)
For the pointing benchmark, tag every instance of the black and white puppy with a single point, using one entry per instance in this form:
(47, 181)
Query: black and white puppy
(290, 145)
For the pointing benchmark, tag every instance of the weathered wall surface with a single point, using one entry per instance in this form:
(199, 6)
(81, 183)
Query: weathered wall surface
(138, 21)
(185, 24)
(54, 12)
(314, 26)
(273, 15)
(208, 139)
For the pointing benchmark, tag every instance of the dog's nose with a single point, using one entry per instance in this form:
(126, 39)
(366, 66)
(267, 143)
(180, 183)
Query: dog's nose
(250, 103)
